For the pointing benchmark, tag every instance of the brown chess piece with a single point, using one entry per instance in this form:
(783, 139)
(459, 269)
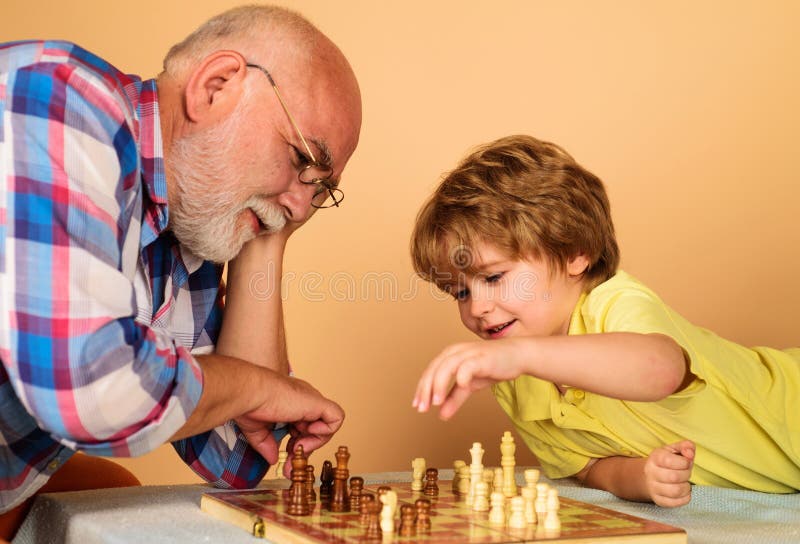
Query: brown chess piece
(423, 520)
(356, 488)
(407, 515)
(431, 477)
(326, 482)
(366, 498)
(373, 531)
(339, 500)
(310, 480)
(298, 500)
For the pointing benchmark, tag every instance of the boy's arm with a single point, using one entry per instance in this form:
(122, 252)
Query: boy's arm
(662, 477)
(622, 365)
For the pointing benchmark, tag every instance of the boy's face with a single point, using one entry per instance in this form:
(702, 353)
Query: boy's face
(517, 297)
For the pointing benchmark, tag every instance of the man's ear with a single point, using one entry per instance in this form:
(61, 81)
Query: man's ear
(577, 265)
(215, 86)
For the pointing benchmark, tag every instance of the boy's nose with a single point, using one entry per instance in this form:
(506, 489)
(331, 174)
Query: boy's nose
(481, 306)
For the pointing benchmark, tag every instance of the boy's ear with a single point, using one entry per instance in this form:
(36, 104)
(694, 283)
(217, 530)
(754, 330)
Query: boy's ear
(577, 265)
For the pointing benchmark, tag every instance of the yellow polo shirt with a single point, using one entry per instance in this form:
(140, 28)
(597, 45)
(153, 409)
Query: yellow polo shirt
(742, 411)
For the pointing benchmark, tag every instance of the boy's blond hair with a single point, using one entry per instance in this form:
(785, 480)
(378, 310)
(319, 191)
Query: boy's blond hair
(523, 196)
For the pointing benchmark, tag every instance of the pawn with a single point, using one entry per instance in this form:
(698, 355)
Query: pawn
(311, 495)
(541, 502)
(423, 519)
(356, 489)
(517, 518)
(497, 515)
(463, 481)
(431, 487)
(373, 531)
(552, 522)
(366, 498)
(529, 498)
(407, 515)
(497, 480)
(457, 474)
(481, 501)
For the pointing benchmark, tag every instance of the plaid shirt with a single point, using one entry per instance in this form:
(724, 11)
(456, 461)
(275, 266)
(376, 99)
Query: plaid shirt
(101, 309)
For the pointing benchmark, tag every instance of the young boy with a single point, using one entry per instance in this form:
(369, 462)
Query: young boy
(603, 381)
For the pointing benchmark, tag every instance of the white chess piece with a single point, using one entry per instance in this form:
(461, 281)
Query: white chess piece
(508, 462)
(497, 481)
(417, 473)
(475, 470)
(531, 477)
(497, 515)
(481, 500)
(541, 501)
(551, 521)
(389, 500)
(529, 496)
(282, 457)
(517, 518)
(457, 474)
(463, 481)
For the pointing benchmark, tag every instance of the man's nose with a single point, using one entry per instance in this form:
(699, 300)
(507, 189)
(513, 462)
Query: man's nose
(297, 200)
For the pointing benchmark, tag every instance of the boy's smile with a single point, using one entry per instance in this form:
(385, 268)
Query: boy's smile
(508, 297)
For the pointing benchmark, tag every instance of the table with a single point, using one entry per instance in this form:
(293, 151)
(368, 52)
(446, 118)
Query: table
(171, 514)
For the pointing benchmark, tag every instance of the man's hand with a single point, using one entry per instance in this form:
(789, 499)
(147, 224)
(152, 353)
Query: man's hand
(667, 471)
(312, 418)
(462, 369)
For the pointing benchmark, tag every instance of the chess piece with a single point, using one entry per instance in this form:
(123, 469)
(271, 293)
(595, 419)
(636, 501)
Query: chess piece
(529, 497)
(552, 523)
(326, 482)
(457, 475)
(423, 519)
(389, 501)
(356, 489)
(366, 498)
(497, 515)
(517, 518)
(311, 495)
(481, 501)
(531, 477)
(541, 502)
(339, 499)
(373, 531)
(488, 476)
(497, 480)
(463, 481)
(508, 462)
(282, 457)
(407, 515)
(431, 477)
(298, 500)
(417, 473)
(475, 470)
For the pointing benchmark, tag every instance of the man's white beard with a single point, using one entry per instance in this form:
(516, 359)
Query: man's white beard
(204, 219)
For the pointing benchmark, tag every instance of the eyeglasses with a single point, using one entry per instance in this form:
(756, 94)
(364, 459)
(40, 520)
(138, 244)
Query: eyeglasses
(314, 173)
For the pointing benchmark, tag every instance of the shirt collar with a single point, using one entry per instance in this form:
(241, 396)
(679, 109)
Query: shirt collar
(155, 215)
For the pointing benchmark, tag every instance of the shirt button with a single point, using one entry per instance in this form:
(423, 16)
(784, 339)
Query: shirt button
(52, 465)
(579, 394)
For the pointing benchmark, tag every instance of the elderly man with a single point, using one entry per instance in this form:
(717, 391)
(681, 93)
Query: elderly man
(121, 200)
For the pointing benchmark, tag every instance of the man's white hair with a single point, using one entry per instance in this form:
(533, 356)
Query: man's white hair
(244, 29)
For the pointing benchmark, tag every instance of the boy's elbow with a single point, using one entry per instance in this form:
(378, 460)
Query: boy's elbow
(673, 372)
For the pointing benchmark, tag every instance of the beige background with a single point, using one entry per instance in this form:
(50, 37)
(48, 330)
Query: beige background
(688, 110)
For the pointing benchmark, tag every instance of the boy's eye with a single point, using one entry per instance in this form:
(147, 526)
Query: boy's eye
(494, 278)
(461, 294)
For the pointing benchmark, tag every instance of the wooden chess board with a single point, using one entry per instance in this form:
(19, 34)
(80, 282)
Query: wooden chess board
(263, 512)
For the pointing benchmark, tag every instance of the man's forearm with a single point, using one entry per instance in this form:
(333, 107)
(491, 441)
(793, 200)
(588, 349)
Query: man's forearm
(622, 476)
(252, 328)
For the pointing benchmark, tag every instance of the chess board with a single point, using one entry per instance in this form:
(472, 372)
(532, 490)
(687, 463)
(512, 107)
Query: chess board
(263, 512)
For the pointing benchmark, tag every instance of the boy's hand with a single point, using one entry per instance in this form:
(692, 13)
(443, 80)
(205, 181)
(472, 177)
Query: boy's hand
(667, 471)
(462, 369)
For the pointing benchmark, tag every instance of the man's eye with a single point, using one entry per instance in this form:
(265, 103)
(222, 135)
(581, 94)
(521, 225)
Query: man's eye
(301, 158)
